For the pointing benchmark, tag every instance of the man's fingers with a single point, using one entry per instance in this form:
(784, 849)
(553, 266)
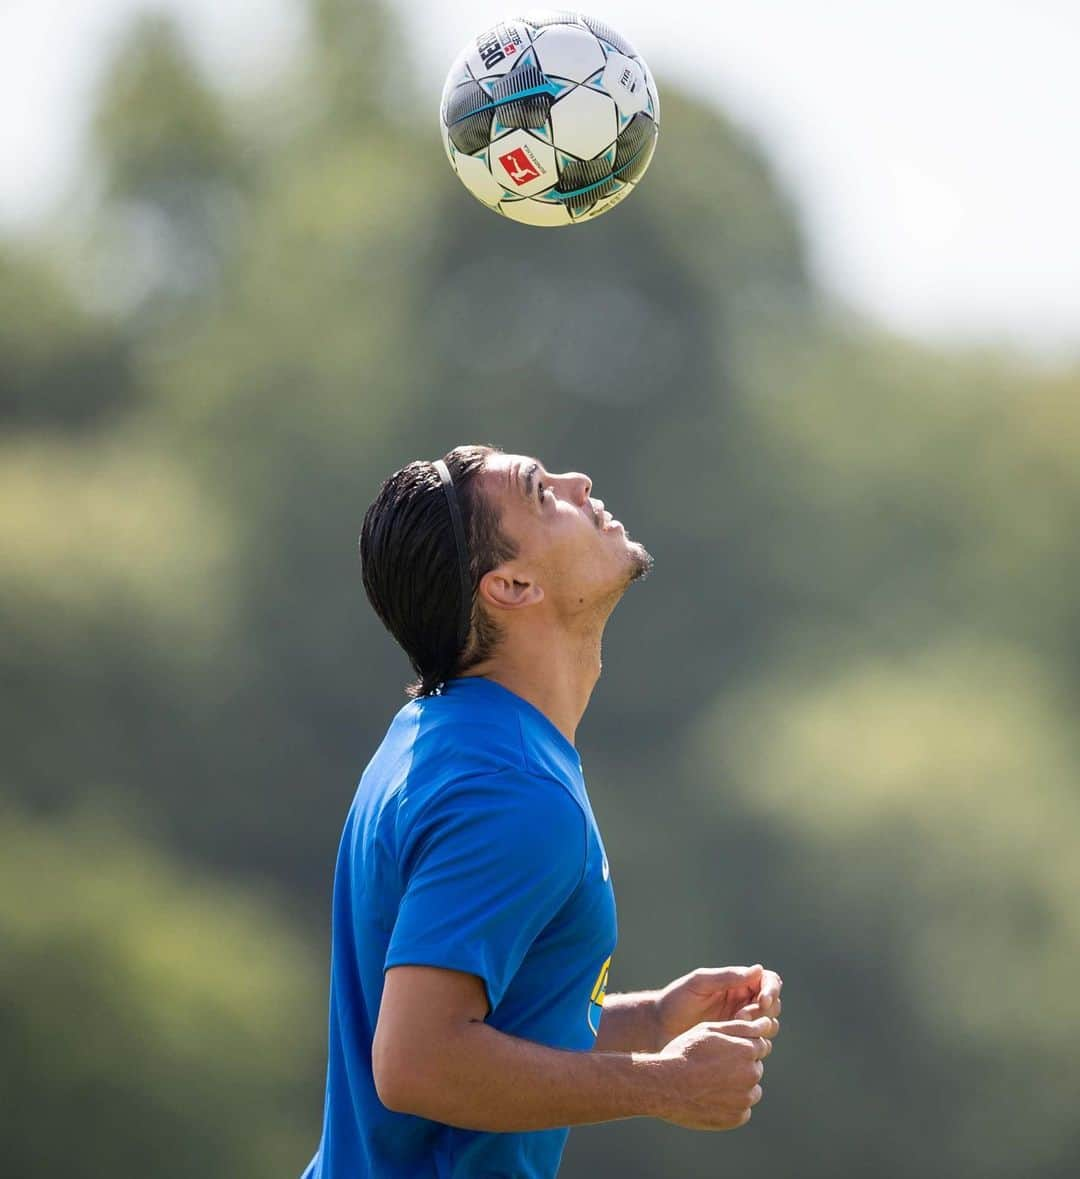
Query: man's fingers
(756, 1009)
(730, 976)
(765, 1038)
(769, 992)
(751, 1029)
(757, 1046)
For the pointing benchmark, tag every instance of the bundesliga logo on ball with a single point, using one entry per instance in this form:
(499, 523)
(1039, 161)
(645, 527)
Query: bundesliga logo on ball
(550, 118)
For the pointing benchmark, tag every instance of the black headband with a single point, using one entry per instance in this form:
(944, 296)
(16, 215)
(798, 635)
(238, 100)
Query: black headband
(462, 552)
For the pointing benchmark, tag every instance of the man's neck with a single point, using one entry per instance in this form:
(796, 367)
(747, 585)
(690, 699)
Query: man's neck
(555, 677)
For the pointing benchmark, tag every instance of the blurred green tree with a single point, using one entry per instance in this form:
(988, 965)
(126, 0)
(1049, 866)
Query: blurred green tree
(62, 367)
(150, 1019)
(171, 165)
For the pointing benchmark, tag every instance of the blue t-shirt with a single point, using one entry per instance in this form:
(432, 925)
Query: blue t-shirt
(470, 845)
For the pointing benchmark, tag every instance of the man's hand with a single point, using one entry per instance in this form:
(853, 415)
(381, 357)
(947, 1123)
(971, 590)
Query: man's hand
(717, 1071)
(703, 996)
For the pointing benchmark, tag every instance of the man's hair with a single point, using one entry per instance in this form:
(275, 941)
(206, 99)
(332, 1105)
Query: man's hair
(410, 565)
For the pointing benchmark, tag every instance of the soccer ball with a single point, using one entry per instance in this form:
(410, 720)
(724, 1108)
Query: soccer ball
(550, 118)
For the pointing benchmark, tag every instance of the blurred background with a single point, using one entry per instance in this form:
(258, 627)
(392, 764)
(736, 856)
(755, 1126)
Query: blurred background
(825, 363)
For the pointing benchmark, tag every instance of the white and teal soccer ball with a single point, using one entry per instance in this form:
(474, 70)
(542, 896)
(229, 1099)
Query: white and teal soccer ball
(550, 118)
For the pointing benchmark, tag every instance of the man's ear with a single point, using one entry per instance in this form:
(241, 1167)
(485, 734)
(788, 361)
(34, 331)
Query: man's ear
(502, 590)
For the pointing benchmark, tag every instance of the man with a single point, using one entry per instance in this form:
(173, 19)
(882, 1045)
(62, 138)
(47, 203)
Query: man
(474, 917)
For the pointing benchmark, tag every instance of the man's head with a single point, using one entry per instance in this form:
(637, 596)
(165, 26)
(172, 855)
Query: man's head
(546, 560)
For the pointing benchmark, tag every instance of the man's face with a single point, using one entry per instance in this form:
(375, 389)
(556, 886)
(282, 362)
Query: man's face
(568, 542)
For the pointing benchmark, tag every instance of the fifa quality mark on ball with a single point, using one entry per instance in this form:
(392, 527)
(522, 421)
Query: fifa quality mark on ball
(550, 118)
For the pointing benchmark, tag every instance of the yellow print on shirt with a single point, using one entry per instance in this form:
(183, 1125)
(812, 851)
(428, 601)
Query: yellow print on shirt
(596, 998)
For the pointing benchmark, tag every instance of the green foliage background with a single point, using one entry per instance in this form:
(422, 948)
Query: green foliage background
(835, 731)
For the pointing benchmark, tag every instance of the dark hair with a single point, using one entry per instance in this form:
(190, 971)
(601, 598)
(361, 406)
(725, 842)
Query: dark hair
(410, 565)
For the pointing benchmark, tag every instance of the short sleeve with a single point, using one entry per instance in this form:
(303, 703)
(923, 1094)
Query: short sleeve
(491, 863)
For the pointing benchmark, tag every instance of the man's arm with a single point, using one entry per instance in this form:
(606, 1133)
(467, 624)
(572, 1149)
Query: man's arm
(631, 1023)
(433, 1056)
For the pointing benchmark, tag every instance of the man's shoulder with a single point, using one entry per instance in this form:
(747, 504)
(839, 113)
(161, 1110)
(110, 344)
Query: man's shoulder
(430, 751)
(443, 752)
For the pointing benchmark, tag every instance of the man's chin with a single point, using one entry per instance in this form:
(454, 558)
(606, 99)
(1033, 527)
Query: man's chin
(641, 561)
